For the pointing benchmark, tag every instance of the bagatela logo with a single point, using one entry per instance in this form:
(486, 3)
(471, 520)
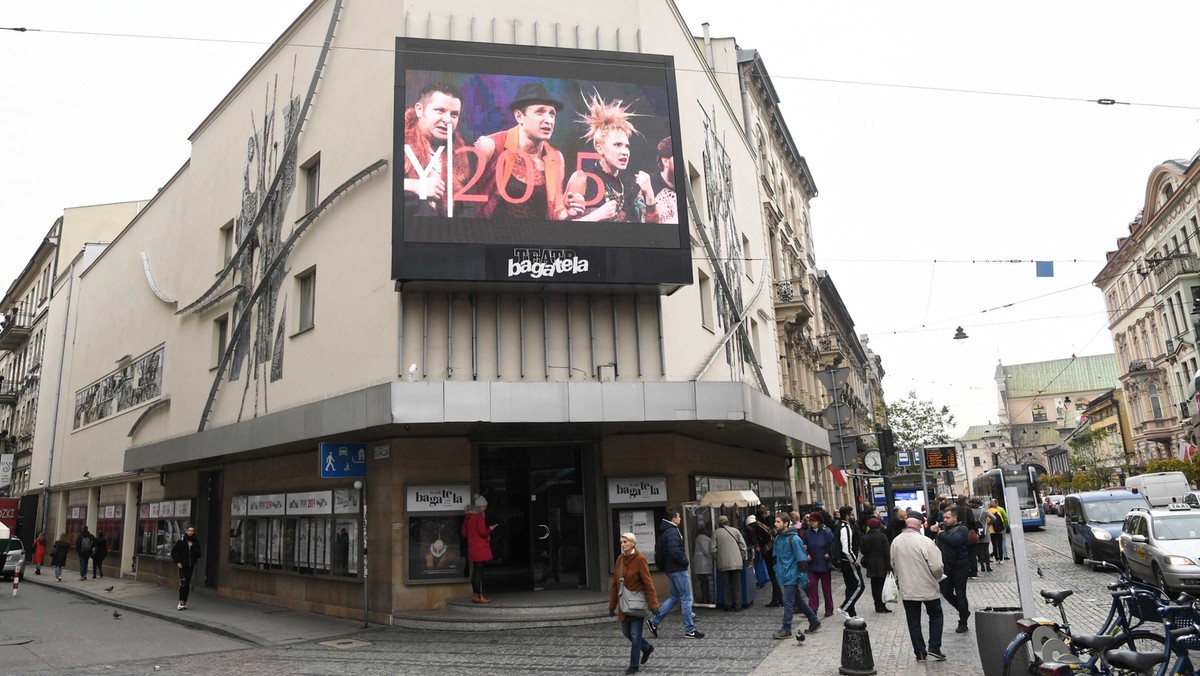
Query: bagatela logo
(538, 263)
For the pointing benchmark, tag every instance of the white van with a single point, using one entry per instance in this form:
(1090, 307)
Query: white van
(1160, 488)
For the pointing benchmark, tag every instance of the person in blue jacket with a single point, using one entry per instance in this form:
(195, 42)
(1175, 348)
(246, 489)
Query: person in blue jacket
(791, 571)
(820, 542)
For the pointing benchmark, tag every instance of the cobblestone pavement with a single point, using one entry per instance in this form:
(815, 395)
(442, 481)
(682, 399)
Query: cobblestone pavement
(737, 643)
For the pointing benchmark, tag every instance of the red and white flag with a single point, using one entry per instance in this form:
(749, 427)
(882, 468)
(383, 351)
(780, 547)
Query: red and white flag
(838, 475)
(1186, 451)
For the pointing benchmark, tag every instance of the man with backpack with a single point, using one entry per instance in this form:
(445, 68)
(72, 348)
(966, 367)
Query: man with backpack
(671, 558)
(982, 540)
(83, 547)
(791, 570)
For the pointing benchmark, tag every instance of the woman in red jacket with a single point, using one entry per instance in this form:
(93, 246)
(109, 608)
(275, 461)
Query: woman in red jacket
(632, 565)
(479, 545)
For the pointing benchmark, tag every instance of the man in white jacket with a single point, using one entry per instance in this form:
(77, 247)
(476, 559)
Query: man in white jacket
(917, 562)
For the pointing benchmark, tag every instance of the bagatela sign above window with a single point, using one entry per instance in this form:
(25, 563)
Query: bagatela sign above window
(636, 489)
(439, 497)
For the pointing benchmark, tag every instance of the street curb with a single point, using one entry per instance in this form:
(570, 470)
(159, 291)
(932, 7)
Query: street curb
(211, 627)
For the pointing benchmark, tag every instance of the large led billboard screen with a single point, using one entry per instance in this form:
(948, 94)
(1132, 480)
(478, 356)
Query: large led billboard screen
(537, 164)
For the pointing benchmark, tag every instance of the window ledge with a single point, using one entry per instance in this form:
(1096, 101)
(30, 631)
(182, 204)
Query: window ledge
(302, 331)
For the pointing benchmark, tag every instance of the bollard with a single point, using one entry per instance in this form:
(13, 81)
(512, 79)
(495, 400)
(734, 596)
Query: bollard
(857, 659)
(16, 579)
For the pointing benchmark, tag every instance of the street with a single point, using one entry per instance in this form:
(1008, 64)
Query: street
(64, 631)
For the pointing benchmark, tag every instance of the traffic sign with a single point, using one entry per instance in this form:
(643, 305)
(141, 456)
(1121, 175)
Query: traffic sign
(833, 378)
(838, 414)
(916, 458)
(343, 461)
(902, 459)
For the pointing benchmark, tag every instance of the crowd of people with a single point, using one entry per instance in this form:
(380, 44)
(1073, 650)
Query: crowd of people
(930, 554)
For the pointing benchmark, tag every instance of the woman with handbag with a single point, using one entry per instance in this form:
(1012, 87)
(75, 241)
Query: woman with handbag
(632, 599)
(877, 559)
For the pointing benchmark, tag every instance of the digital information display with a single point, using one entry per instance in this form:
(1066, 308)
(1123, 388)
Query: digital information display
(536, 164)
(941, 457)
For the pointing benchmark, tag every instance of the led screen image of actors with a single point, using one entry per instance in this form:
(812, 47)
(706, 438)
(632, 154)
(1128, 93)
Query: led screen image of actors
(511, 149)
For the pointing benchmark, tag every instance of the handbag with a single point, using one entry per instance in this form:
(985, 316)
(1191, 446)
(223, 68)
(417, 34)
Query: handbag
(632, 603)
(890, 591)
(761, 574)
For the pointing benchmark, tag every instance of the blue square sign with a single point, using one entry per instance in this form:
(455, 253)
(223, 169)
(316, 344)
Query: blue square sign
(343, 461)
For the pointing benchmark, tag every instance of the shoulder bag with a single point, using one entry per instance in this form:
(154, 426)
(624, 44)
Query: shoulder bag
(633, 603)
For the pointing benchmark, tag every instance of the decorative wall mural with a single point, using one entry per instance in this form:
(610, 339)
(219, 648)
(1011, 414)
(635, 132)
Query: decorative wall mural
(138, 382)
(722, 232)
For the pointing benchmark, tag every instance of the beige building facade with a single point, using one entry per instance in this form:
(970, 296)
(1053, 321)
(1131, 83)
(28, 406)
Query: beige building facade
(1151, 284)
(264, 351)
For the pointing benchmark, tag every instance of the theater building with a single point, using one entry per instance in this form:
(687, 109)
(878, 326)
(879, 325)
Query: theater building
(347, 313)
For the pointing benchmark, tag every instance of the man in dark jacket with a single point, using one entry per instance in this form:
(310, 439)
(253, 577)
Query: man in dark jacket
(185, 554)
(762, 539)
(674, 563)
(895, 525)
(848, 540)
(952, 541)
(83, 547)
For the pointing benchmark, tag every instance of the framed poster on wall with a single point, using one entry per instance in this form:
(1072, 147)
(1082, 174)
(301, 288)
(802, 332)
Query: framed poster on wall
(436, 552)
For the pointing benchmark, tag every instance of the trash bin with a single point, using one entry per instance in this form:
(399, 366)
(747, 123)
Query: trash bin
(994, 630)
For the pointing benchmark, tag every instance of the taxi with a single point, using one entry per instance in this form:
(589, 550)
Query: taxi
(1162, 544)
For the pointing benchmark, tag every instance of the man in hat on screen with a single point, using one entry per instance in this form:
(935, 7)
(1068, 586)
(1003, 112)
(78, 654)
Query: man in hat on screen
(523, 174)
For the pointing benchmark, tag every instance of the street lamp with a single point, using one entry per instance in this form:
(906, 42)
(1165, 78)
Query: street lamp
(959, 334)
(362, 501)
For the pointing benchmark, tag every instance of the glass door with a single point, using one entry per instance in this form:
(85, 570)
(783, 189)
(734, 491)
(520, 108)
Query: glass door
(535, 495)
(556, 518)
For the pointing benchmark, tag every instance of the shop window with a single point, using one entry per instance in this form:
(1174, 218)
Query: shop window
(110, 522)
(314, 533)
(161, 525)
(76, 519)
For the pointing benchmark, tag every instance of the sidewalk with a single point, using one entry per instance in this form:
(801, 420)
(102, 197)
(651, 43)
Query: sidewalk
(254, 623)
(891, 648)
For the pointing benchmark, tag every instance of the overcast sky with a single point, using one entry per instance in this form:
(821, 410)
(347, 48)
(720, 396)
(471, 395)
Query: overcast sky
(907, 176)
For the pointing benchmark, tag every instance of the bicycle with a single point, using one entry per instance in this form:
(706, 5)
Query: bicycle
(1042, 640)
(1145, 663)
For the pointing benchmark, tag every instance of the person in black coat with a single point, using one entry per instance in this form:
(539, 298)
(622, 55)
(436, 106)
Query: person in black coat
(185, 554)
(99, 552)
(877, 560)
(895, 524)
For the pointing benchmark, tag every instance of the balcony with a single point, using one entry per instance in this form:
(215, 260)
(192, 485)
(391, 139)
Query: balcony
(829, 345)
(1141, 365)
(17, 327)
(9, 393)
(1168, 268)
(791, 301)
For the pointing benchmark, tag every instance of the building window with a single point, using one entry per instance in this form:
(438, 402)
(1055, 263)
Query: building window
(228, 240)
(312, 183)
(1155, 402)
(322, 539)
(754, 345)
(978, 461)
(220, 338)
(706, 299)
(306, 286)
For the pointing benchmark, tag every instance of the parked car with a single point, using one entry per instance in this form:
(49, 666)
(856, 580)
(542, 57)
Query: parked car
(1056, 504)
(1094, 522)
(1163, 545)
(14, 557)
